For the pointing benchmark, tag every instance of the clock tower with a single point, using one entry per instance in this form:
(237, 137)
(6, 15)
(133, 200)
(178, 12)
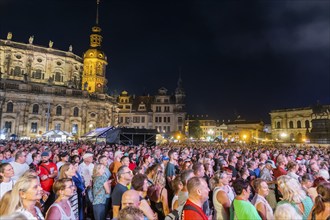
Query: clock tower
(95, 62)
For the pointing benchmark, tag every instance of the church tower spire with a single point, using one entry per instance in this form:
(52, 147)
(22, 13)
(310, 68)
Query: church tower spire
(179, 91)
(95, 61)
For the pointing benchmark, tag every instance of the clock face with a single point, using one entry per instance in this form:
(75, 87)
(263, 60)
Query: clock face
(99, 85)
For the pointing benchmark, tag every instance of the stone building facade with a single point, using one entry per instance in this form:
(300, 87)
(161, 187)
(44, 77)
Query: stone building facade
(162, 111)
(291, 125)
(43, 88)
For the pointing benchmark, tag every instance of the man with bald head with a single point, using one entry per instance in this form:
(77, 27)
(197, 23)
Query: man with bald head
(130, 198)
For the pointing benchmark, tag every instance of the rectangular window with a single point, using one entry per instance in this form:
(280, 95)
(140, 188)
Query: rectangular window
(8, 126)
(58, 127)
(156, 119)
(34, 127)
(74, 129)
(143, 119)
(166, 100)
(127, 120)
(168, 128)
(160, 119)
(158, 108)
(121, 119)
(165, 119)
(136, 119)
(167, 109)
(179, 119)
(168, 119)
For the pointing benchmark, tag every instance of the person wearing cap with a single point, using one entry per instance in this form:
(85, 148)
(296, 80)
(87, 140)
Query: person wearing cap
(85, 169)
(267, 175)
(47, 174)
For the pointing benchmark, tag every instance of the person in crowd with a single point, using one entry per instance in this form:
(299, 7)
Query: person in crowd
(177, 187)
(259, 201)
(101, 187)
(170, 168)
(7, 156)
(63, 158)
(159, 203)
(244, 173)
(146, 162)
(321, 208)
(124, 176)
(69, 171)
(287, 212)
(19, 165)
(86, 168)
(4, 201)
(47, 174)
(124, 160)
(307, 182)
(6, 181)
(183, 193)
(29, 158)
(114, 166)
(23, 198)
(266, 174)
(293, 168)
(151, 173)
(132, 161)
(36, 158)
(252, 165)
(293, 194)
(223, 195)
(241, 207)
(302, 170)
(140, 184)
(232, 161)
(130, 198)
(61, 208)
(198, 194)
(130, 213)
(281, 162)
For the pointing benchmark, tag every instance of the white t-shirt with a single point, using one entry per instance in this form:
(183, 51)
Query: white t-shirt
(5, 187)
(86, 171)
(19, 169)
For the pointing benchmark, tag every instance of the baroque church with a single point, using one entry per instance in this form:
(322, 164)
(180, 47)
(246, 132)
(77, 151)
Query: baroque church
(43, 89)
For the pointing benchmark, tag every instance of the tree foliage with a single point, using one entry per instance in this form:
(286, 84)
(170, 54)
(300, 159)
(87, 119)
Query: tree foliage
(195, 129)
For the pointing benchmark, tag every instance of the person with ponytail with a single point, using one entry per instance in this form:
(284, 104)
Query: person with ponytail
(321, 208)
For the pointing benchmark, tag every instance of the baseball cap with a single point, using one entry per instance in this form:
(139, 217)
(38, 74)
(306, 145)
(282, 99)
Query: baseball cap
(45, 154)
(271, 163)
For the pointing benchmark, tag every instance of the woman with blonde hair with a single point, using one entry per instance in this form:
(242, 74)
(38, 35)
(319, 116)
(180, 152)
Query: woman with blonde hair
(287, 212)
(321, 208)
(24, 196)
(69, 171)
(223, 195)
(160, 202)
(101, 187)
(294, 195)
(61, 208)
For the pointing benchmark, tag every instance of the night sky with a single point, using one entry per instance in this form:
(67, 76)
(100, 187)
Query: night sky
(235, 57)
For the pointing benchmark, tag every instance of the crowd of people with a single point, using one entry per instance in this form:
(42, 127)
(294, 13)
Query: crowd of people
(43, 180)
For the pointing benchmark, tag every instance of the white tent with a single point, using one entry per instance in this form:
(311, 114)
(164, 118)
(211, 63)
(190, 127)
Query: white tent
(57, 135)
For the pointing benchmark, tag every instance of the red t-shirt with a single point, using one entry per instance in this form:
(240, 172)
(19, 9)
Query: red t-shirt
(132, 166)
(47, 183)
(191, 214)
(279, 172)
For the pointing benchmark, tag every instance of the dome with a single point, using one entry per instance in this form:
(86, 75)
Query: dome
(95, 53)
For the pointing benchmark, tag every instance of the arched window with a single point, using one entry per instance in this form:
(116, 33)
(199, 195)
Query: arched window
(35, 109)
(17, 71)
(58, 77)
(291, 124)
(10, 107)
(278, 125)
(298, 124)
(76, 112)
(58, 110)
(307, 124)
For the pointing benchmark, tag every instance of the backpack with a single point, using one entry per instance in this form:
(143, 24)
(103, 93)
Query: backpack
(177, 213)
